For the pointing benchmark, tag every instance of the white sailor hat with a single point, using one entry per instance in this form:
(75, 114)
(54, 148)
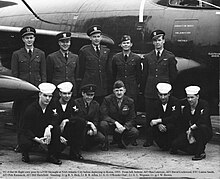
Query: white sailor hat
(164, 88)
(192, 89)
(65, 87)
(47, 88)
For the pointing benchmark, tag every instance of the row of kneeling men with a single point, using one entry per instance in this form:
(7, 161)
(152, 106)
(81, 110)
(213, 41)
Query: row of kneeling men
(82, 123)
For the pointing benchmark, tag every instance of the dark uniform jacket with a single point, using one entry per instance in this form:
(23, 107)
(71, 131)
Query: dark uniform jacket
(169, 117)
(94, 69)
(200, 117)
(69, 113)
(89, 113)
(35, 121)
(128, 71)
(31, 69)
(163, 70)
(111, 112)
(59, 70)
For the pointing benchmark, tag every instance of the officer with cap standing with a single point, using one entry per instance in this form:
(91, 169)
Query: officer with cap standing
(118, 115)
(29, 64)
(196, 127)
(94, 63)
(158, 66)
(89, 110)
(126, 66)
(63, 65)
(163, 118)
(40, 126)
(72, 127)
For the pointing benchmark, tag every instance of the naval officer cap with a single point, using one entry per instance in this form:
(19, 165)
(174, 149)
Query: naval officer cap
(118, 84)
(157, 33)
(88, 88)
(65, 87)
(192, 89)
(47, 88)
(63, 36)
(94, 30)
(164, 88)
(28, 30)
(125, 38)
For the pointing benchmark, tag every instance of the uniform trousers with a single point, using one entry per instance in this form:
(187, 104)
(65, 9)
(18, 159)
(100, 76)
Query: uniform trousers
(26, 143)
(162, 139)
(149, 109)
(74, 132)
(202, 134)
(129, 134)
(91, 141)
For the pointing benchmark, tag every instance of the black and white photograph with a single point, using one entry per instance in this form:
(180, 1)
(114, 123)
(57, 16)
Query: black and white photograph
(109, 89)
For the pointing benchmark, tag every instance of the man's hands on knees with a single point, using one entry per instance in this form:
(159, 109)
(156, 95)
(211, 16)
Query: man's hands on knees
(47, 134)
(119, 128)
(63, 124)
(93, 130)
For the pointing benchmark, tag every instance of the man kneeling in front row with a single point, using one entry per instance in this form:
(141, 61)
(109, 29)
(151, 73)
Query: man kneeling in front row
(118, 116)
(40, 125)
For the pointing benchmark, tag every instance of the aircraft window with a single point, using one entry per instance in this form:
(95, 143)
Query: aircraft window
(196, 3)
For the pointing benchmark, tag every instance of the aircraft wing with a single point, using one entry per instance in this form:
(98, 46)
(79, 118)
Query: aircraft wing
(75, 35)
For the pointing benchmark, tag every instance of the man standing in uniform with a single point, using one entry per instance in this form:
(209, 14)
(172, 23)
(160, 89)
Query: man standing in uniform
(27, 63)
(196, 127)
(62, 65)
(163, 118)
(72, 127)
(126, 66)
(40, 126)
(158, 66)
(118, 115)
(89, 110)
(94, 63)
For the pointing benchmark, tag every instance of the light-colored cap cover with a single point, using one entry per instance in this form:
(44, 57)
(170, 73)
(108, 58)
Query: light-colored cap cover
(192, 90)
(65, 87)
(47, 88)
(164, 88)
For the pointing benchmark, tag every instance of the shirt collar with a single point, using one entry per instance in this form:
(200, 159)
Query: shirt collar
(94, 46)
(161, 51)
(32, 49)
(64, 53)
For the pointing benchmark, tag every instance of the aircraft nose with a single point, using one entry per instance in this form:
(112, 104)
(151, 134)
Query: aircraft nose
(12, 88)
(185, 64)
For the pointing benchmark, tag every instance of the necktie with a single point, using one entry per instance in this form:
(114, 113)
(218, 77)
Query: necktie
(119, 103)
(66, 56)
(158, 55)
(97, 50)
(30, 53)
(125, 57)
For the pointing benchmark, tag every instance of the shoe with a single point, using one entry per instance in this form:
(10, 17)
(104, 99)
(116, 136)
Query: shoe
(76, 157)
(199, 157)
(25, 158)
(122, 146)
(147, 144)
(173, 151)
(54, 160)
(104, 147)
(134, 143)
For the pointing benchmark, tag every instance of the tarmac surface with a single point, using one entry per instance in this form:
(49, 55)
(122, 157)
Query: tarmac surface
(133, 162)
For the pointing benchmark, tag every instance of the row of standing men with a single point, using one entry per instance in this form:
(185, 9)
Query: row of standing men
(92, 65)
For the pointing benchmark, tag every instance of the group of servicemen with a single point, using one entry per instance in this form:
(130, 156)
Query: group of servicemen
(76, 108)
